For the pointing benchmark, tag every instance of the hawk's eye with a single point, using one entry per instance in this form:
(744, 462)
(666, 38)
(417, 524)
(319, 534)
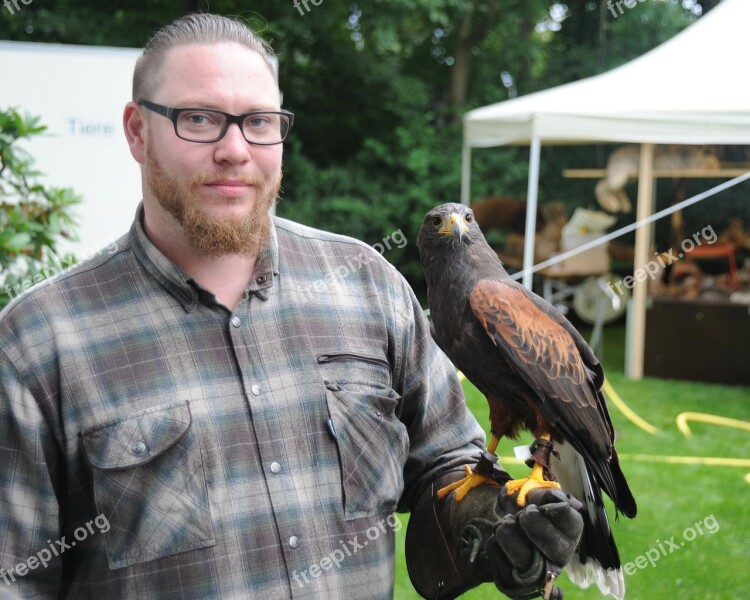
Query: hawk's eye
(469, 218)
(437, 221)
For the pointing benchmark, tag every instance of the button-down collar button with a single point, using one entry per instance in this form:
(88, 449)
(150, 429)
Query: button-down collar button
(255, 389)
(236, 322)
(139, 448)
(275, 467)
(261, 279)
(293, 541)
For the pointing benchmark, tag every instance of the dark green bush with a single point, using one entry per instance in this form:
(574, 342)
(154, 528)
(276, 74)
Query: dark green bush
(33, 217)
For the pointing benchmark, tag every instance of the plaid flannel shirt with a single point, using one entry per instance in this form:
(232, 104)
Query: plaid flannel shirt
(156, 445)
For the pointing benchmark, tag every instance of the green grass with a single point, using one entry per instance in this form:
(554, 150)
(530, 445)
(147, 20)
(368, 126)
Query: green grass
(671, 497)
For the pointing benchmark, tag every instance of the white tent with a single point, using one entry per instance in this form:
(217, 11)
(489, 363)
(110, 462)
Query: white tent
(79, 92)
(690, 90)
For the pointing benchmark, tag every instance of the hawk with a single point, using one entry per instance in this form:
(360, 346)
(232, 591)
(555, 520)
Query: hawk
(537, 374)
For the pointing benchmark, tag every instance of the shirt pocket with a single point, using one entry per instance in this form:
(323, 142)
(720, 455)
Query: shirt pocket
(355, 369)
(372, 442)
(149, 483)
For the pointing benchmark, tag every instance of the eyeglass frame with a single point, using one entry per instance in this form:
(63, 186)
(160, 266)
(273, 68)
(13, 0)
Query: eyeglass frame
(173, 113)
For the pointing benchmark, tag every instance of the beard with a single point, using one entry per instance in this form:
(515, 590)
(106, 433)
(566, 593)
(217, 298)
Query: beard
(211, 236)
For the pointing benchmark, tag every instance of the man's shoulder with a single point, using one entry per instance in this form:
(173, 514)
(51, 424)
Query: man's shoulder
(292, 229)
(63, 279)
(331, 251)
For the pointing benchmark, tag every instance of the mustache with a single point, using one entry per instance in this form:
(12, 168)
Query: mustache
(204, 178)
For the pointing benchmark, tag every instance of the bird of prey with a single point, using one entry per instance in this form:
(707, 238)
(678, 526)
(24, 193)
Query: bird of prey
(537, 373)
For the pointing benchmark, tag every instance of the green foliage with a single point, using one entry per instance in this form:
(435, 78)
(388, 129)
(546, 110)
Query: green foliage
(32, 217)
(377, 136)
(391, 183)
(387, 186)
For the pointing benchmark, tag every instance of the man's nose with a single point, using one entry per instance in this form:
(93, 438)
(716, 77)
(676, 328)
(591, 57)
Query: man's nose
(233, 147)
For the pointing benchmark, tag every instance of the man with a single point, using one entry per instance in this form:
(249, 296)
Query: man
(237, 438)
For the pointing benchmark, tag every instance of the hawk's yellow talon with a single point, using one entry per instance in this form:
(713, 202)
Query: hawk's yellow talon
(525, 485)
(463, 486)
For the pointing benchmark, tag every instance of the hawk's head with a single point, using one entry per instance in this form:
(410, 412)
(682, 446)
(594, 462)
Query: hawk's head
(453, 251)
(448, 225)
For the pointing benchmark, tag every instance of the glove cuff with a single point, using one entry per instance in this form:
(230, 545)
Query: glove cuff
(445, 539)
(434, 559)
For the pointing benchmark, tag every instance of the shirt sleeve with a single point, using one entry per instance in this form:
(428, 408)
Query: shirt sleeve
(443, 434)
(30, 561)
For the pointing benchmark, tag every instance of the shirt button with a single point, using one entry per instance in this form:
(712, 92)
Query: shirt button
(139, 448)
(275, 467)
(261, 279)
(293, 541)
(236, 322)
(255, 390)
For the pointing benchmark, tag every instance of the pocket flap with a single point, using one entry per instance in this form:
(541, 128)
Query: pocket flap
(137, 440)
(373, 447)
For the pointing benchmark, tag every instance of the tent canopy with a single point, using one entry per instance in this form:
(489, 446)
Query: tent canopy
(692, 89)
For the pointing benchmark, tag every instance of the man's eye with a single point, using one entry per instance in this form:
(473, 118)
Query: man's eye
(196, 119)
(258, 122)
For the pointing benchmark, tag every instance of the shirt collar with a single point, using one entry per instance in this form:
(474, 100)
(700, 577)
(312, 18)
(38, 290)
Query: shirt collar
(183, 287)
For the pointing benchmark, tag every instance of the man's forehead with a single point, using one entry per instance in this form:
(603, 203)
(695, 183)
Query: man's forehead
(198, 66)
(212, 55)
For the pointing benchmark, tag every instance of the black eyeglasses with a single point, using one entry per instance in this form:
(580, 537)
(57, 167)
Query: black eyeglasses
(204, 125)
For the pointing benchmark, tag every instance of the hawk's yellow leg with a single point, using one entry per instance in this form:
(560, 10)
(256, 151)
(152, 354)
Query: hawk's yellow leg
(533, 481)
(472, 479)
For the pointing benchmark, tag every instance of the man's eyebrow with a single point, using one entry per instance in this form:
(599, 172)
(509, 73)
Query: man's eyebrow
(213, 106)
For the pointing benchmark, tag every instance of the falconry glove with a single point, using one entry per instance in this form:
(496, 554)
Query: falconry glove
(531, 542)
(452, 547)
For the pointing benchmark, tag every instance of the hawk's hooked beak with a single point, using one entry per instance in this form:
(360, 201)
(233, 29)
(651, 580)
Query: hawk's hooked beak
(458, 227)
(454, 226)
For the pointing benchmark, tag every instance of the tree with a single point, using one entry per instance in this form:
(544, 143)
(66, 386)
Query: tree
(469, 36)
(33, 218)
(378, 88)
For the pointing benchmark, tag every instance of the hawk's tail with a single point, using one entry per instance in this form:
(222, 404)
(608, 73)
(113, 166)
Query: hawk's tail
(597, 559)
(623, 497)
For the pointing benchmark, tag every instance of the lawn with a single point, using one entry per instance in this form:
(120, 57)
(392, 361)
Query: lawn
(694, 517)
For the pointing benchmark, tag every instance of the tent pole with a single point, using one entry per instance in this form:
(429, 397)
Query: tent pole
(535, 151)
(466, 174)
(637, 320)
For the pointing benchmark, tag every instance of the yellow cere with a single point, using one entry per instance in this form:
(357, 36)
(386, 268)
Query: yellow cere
(447, 228)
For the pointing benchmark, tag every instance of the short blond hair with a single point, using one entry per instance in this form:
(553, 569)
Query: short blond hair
(196, 28)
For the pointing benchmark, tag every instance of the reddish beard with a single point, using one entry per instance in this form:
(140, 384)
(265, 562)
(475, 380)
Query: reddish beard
(211, 236)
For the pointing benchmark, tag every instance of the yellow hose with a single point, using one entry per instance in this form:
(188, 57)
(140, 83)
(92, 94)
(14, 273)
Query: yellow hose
(683, 418)
(626, 410)
(716, 461)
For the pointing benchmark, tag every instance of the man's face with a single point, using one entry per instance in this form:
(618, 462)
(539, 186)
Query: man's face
(218, 192)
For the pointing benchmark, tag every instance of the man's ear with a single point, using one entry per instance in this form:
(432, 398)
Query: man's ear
(134, 126)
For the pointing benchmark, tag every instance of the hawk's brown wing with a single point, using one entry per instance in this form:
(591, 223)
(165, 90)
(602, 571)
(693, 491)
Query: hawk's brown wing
(542, 352)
